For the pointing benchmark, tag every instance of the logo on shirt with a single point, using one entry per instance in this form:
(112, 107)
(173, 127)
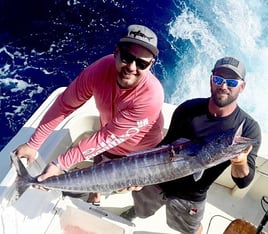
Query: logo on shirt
(142, 123)
(113, 140)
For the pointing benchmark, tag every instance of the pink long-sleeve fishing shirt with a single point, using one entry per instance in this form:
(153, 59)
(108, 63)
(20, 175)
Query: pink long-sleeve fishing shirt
(131, 119)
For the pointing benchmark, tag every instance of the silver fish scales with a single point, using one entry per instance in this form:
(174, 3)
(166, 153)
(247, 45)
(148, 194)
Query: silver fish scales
(165, 163)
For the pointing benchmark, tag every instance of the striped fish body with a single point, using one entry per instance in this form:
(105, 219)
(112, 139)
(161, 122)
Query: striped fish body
(165, 163)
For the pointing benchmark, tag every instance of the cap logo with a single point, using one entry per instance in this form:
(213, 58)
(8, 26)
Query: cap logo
(230, 61)
(140, 34)
(143, 36)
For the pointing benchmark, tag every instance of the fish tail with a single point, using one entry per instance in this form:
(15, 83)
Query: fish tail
(24, 179)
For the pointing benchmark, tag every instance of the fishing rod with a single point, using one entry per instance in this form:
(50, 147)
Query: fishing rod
(265, 217)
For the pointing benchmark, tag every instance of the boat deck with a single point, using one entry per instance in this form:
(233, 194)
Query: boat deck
(48, 212)
(220, 204)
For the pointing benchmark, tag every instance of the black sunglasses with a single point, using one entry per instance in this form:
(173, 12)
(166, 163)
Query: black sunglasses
(128, 58)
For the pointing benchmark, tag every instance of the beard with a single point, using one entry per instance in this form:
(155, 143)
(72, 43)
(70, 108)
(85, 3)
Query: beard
(221, 100)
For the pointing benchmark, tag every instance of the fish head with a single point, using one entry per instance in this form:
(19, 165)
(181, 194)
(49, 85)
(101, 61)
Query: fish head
(224, 146)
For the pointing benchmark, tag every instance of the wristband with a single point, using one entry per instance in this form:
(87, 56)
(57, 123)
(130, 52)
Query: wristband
(240, 163)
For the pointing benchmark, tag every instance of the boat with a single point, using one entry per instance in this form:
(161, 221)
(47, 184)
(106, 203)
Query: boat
(38, 211)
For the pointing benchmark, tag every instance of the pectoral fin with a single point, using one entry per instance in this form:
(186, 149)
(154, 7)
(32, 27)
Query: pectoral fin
(197, 176)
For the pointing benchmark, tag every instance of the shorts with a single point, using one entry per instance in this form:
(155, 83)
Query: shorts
(182, 215)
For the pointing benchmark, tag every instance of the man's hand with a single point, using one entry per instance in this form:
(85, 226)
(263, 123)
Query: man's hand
(25, 151)
(50, 170)
(240, 167)
(241, 159)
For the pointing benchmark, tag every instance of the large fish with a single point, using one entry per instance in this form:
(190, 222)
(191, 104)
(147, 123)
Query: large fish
(165, 163)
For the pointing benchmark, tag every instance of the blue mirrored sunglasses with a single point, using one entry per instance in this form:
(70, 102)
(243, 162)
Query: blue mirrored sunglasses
(218, 80)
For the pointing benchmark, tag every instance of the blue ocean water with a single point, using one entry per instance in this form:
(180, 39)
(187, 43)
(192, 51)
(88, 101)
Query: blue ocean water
(44, 44)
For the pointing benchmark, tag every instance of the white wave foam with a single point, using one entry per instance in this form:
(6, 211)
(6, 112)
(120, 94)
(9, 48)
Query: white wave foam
(222, 28)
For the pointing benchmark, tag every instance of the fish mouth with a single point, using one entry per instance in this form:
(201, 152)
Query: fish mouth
(238, 139)
(244, 140)
(240, 143)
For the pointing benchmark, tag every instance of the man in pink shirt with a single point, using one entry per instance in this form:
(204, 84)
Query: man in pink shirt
(128, 96)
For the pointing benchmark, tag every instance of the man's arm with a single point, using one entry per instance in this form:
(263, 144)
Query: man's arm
(243, 166)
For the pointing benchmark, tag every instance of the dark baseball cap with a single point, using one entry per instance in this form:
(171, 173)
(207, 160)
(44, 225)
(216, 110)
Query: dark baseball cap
(231, 64)
(141, 35)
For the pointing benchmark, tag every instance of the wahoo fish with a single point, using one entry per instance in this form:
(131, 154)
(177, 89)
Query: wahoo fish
(169, 162)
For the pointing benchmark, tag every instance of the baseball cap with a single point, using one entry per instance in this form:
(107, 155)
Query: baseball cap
(232, 64)
(141, 35)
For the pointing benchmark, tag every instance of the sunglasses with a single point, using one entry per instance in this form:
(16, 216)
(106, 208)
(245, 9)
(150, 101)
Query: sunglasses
(128, 58)
(218, 80)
